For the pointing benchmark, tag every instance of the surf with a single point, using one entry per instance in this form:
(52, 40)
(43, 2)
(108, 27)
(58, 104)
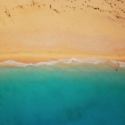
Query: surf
(76, 61)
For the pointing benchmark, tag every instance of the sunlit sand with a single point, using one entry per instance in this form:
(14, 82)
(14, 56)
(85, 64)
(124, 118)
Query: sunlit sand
(34, 31)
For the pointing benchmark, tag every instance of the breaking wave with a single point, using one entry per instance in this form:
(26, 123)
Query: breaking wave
(95, 61)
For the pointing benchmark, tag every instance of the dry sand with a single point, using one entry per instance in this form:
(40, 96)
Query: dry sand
(34, 31)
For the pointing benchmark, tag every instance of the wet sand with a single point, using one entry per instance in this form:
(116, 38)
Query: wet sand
(34, 31)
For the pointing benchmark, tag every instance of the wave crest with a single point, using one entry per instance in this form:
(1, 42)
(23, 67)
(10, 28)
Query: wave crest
(12, 63)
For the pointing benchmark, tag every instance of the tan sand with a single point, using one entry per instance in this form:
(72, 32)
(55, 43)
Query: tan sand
(34, 31)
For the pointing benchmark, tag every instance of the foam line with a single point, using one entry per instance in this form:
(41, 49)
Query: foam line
(95, 61)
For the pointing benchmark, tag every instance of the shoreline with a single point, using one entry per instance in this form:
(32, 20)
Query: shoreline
(69, 61)
(36, 58)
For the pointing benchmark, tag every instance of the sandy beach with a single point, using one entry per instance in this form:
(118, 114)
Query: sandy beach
(34, 31)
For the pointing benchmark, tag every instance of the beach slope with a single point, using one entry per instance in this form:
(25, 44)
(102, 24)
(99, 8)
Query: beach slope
(34, 31)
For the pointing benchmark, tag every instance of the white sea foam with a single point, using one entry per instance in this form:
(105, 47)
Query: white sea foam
(83, 60)
(121, 64)
(95, 61)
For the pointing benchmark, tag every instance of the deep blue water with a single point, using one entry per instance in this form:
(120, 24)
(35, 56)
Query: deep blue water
(62, 95)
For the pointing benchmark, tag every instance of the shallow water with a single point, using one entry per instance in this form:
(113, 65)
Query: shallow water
(62, 95)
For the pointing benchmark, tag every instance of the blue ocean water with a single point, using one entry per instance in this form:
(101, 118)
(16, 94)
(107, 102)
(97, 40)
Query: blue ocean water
(62, 95)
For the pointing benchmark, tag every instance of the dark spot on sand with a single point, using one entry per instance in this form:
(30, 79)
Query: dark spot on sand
(96, 8)
(56, 10)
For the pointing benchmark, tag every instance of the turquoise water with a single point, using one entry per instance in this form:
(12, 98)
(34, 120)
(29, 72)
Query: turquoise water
(62, 95)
